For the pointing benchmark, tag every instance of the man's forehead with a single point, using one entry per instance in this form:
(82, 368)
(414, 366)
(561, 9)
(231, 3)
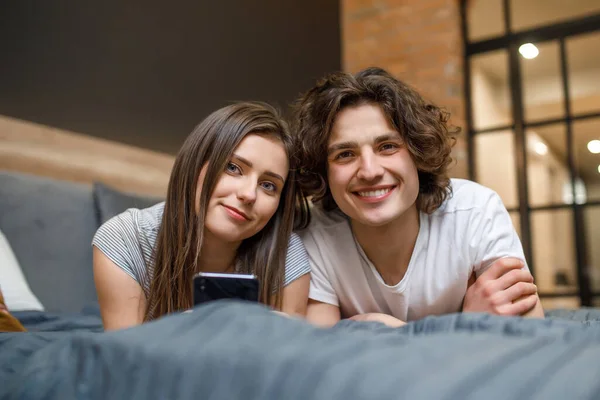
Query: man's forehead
(356, 134)
(359, 121)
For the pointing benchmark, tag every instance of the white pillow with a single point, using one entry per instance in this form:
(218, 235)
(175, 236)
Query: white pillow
(17, 294)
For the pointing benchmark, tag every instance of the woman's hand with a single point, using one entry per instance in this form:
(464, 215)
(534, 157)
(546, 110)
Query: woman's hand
(388, 320)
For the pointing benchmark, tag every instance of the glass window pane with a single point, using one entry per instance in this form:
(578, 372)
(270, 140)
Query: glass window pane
(586, 141)
(553, 303)
(515, 216)
(592, 238)
(485, 19)
(547, 166)
(542, 82)
(495, 164)
(526, 14)
(583, 64)
(553, 243)
(490, 91)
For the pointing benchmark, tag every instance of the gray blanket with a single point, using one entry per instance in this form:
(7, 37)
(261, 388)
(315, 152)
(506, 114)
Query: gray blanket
(230, 350)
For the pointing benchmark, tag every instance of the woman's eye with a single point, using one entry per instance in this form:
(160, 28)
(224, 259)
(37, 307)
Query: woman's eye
(232, 168)
(269, 186)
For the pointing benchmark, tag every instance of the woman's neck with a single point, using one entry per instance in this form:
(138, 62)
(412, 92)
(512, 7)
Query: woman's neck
(217, 255)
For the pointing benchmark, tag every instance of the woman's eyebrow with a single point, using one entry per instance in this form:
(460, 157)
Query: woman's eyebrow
(243, 160)
(274, 175)
(249, 164)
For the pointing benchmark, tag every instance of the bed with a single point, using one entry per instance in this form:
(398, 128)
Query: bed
(236, 350)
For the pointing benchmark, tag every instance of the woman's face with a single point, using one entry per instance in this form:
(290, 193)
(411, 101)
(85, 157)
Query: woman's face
(247, 192)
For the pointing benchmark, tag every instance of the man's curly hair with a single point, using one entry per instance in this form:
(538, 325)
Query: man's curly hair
(423, 126)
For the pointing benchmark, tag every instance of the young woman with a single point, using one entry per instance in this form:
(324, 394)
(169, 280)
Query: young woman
(231, 206)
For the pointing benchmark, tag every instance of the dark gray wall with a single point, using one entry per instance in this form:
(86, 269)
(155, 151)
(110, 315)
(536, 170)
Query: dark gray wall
(145, 73)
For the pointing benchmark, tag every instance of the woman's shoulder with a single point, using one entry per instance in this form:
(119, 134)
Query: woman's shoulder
(295, 241)
(295, 248)
(133, 223)
(296, 260)
(151, 217)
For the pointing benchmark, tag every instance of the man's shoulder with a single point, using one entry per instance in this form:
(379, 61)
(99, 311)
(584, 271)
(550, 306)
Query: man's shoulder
(321, 219)
(329, 241)
(467, 195)
(325, 227)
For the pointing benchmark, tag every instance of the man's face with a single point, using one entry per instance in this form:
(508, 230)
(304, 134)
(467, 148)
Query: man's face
(371, 174)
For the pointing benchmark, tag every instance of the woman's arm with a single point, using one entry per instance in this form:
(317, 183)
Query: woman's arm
(122, 300)
(295, 296)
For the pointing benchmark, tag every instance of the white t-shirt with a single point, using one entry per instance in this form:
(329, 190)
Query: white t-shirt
(470, 231)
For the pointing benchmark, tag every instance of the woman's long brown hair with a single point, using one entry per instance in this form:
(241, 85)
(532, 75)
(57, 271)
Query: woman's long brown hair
(179, 240)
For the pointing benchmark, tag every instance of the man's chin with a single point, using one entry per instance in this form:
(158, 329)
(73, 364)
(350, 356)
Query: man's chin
(373, 221)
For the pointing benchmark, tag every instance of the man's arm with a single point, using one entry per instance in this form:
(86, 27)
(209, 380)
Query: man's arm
(504, 289)
(537, 311)
(326, 315)
(322, 314)
(385, 319)
(504, 285)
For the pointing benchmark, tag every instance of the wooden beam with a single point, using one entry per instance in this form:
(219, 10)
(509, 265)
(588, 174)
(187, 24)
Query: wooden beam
(45, 151)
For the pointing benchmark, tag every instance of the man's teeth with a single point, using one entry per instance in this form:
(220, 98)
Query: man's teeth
(374, 193)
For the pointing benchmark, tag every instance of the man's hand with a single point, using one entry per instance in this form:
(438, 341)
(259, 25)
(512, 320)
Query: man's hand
(378, 317)
(504, 289)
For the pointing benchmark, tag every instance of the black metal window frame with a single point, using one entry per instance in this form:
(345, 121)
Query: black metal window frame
(510, 41)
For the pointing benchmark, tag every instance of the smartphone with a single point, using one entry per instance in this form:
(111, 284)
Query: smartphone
(210, 286)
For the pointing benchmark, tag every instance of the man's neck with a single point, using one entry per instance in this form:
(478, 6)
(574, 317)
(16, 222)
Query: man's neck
(217, 255)
(390, 247)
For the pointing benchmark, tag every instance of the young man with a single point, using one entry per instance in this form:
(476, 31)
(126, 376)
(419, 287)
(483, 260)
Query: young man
(392, 238)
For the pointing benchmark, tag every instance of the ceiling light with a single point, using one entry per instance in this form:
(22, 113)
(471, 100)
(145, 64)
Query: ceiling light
(540, 148)
(529, 51)
(594, 146)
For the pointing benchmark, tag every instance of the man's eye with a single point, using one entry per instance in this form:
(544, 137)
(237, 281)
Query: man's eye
(389, 146)
(343, 154)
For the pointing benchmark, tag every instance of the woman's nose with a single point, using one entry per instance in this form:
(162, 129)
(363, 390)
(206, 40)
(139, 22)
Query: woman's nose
(247, 191)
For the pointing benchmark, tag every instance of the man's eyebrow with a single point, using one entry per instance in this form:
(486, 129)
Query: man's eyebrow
(348, 145)
(249, 165)
(340, 146)
(386, 137)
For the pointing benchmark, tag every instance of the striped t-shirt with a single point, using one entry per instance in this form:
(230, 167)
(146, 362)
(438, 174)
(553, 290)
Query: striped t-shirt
(128, 240)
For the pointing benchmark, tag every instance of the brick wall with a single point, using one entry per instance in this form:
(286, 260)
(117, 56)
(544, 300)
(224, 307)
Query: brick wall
(419, 41)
